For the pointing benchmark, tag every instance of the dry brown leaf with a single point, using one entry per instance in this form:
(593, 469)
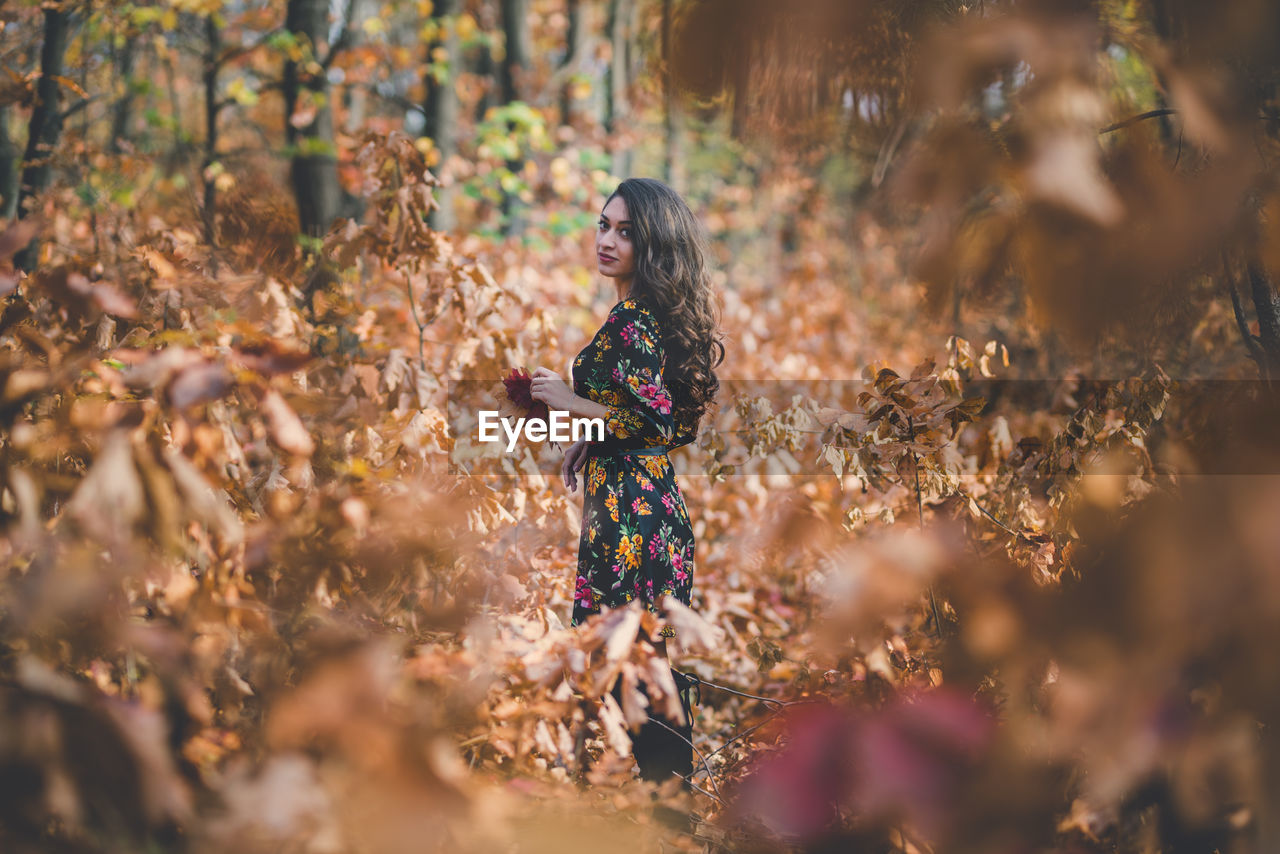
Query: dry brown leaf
(287, 429)
(615, 726)
(111, 498)
(693, 631)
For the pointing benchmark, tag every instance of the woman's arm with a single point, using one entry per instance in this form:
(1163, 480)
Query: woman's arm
(583, 407)
(643, 407)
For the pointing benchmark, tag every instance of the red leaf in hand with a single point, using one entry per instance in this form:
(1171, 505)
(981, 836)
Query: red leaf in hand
(518, 384)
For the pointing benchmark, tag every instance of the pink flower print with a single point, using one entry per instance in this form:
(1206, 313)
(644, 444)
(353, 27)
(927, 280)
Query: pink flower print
(641, 507)
(669, 503)
(657, 397)
(583, 594)
(677, 559)
(681, 575)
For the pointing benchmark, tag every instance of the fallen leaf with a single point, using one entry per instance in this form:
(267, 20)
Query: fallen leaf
(287, 429)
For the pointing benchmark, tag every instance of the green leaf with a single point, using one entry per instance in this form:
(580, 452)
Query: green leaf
(240, 92)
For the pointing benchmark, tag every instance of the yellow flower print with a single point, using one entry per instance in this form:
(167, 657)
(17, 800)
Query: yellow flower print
(642, 481)
(629, 550)
(655, 465)
(614, 424)
(641, 508)
(596, 479)
(611, 503)
(591, 534)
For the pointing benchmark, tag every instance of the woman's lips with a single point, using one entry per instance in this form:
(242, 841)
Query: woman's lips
(606, 258)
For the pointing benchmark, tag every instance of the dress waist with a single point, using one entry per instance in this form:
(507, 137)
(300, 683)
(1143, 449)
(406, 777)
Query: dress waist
(652, 450)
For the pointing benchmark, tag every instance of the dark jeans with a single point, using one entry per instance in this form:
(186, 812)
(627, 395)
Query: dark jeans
(659, 752)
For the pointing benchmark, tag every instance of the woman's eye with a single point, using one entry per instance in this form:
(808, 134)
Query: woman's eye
(625, 232)
(602, 226)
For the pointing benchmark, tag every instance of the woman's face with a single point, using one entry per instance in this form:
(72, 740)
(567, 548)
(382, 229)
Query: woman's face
(615, 254)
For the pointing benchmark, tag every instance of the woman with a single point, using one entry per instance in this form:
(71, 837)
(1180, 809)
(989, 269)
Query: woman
(649, 373)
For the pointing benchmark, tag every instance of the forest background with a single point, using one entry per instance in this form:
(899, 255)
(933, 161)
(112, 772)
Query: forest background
(986, 518)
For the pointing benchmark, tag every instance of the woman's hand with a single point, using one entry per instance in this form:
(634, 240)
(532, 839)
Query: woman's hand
(574, 459)
(547, 386)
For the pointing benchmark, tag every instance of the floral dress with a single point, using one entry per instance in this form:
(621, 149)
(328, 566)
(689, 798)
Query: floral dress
(636, 542)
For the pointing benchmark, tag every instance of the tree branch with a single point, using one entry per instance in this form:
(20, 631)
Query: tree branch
(240, 50)
(397, 100)
(561, 75)
(344, 38)
(78, 106)
(1133, 120)
(1251, 342)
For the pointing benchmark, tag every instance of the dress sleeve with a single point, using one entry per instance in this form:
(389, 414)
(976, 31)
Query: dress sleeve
(683, 437)
(640, 406)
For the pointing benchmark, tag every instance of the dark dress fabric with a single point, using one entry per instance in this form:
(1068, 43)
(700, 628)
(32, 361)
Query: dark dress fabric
(636, 541)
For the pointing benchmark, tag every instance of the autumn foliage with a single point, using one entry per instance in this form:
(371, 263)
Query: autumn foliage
(986, 515)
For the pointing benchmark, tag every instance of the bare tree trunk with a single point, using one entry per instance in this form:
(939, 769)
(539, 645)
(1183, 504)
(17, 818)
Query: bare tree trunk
(175, 108)
(442, 108)
(619, 79)
(45, 127)
(515, 26)
(314, 167)
(213, 46)
(484, 66)
(673, 125)
(122, 110)
(10, 163)
(356, 99)
(576, 38)
(150, 71)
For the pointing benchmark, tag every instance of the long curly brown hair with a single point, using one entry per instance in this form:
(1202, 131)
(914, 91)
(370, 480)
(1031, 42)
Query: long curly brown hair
(671, 278)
